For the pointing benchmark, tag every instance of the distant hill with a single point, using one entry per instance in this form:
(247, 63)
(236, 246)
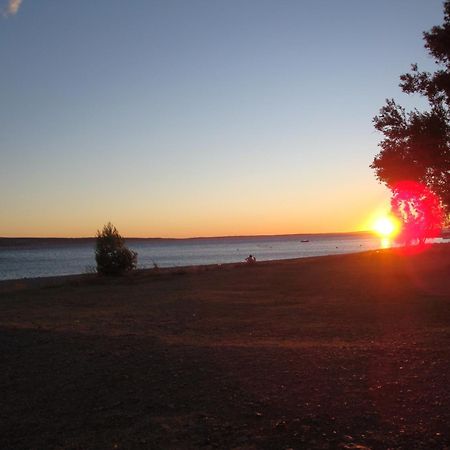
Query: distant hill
(34, 242)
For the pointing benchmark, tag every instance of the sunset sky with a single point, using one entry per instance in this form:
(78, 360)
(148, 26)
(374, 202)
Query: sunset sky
(180, 118)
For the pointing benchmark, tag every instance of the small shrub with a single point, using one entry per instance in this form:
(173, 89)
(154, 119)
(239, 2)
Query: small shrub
(111, 255)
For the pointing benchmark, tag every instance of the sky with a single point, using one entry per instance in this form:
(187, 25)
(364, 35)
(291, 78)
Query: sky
(176, 118)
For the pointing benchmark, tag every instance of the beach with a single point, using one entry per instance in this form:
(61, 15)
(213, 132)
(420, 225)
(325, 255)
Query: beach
(344, 351)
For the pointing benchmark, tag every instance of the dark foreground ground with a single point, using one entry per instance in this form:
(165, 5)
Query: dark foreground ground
(347, 352)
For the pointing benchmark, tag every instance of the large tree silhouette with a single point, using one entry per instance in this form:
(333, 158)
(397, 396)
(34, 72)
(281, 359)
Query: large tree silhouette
(416, 144)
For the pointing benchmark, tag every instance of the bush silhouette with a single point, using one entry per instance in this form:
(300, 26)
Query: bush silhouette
(111, 255)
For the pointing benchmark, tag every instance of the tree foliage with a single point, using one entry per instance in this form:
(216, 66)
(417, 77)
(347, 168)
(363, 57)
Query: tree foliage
(111, 255)
(416, 144)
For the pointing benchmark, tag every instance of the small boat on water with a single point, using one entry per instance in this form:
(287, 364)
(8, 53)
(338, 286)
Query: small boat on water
(304, 240)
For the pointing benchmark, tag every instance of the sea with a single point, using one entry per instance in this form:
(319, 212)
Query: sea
(42, 257)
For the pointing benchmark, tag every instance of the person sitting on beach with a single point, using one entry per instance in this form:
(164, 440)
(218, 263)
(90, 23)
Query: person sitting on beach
(250, 259)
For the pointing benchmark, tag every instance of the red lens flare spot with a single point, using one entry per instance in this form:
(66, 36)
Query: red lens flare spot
(419, 211)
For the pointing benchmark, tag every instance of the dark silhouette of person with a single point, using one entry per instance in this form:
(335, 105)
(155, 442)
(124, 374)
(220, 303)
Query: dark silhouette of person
(250, 259)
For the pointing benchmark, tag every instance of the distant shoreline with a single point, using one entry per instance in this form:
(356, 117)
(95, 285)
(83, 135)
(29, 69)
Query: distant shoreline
(17, 241)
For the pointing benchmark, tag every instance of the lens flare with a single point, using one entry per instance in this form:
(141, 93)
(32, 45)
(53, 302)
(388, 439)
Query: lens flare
(419, 209)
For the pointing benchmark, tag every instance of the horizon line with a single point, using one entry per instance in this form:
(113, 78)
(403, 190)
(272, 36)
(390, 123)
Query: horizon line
(194, 237)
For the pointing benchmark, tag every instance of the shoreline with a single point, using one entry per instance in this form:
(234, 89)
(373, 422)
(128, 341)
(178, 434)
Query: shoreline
(80, 278)
(31, 262)
(95, 278)
(42, 258)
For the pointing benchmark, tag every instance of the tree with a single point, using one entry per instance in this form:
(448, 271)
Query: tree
(416, 144)
(111, 255)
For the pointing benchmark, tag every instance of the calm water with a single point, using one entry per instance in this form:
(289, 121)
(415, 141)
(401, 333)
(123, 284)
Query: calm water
(43, 257)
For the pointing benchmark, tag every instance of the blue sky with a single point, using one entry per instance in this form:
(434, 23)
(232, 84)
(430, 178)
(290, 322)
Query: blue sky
(187, 118)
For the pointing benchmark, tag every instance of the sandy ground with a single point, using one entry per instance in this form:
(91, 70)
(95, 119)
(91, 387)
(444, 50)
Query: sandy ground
(347, 352)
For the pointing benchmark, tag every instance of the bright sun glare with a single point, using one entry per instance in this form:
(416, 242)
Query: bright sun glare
(386, 226)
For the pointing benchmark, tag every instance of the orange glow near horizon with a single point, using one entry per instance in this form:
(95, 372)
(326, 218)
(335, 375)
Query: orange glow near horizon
(207, 214)
(190, 220)
(188, 228)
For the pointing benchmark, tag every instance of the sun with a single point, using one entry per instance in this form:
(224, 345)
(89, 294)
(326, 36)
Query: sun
(386, 226)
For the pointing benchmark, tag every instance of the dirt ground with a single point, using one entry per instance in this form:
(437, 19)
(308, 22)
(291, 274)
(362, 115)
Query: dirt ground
(341, 352)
